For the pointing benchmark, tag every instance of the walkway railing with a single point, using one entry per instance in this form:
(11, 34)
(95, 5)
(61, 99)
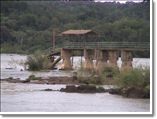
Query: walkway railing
(108, 45)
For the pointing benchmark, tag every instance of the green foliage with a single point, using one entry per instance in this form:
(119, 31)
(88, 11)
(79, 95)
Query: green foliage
(107, 76)
(96, 80)
(147, 89)
(138, 78)
(134, 78)
(109, 73)
(37, 61)
(88, 76)
(12, 48)
(32, 77)
(29, 24)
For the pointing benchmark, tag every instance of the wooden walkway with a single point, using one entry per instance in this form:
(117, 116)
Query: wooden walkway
(138, 46)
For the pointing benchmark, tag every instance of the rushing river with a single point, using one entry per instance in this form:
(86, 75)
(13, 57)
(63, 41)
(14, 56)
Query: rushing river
(16, 97)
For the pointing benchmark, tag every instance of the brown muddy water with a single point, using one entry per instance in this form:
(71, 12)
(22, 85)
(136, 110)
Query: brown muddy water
(17, 97)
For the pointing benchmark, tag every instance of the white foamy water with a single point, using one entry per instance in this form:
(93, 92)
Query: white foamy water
(12, 64)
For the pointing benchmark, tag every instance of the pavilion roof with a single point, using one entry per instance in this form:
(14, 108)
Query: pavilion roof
(78, 32)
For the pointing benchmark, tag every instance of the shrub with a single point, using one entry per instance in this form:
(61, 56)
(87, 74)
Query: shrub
(109, 72)
(91, 77)
(37, 61)
(88, 77)
(134, 78)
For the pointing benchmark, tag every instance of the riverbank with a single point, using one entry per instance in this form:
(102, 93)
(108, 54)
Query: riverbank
(74, 86)
(38, 80)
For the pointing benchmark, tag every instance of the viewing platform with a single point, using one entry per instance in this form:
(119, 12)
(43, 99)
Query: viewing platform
(93, 48)
(133, 46)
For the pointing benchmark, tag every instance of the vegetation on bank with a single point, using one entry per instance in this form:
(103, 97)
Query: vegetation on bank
(26, 26)
(131, 83)
(33, 77)
(137, 79)
(107, 76)
(38, 61)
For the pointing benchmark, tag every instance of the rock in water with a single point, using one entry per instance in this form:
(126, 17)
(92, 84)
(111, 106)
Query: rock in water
(26, 81)
(115, 91)
(69, 88)
(83, 89)
(47, 89)
(134, 93)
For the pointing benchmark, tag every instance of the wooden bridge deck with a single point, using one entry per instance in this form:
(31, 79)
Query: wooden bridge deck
(108, 45)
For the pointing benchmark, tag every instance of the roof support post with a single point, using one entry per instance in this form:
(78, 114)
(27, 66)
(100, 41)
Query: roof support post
(127, 58)
(65, 55)
(113, 57)
(88, 55)
(101, 60)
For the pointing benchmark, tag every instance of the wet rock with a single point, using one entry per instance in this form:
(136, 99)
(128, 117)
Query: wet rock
(130, 92)
(47, 89)
(133, 92)
(83, 89)
(101, 89)
(74, 76)
(115, 91)
(69, 88)
(87, 88)
(49, 80)
(12, 80)
(147, 95)
(7, 79)
(26, 81)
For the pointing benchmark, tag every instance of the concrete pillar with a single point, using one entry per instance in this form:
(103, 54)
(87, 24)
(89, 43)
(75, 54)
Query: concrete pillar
(113, 57)
(65, 55)
(126, 57)
(88, 55)
(101, 60)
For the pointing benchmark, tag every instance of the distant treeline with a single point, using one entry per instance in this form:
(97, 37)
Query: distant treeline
(27, 26)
